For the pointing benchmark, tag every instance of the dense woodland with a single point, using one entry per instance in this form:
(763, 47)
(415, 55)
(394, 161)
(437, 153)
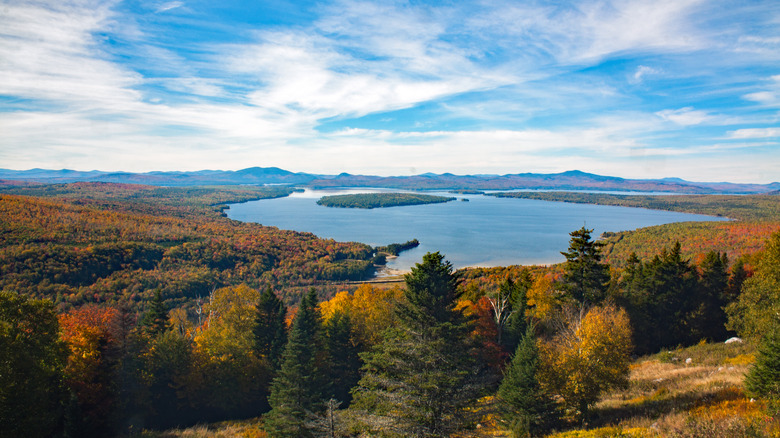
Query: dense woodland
(119, 315)
(380, 200)
(103, 243)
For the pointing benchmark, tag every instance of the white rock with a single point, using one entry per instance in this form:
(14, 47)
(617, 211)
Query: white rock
(734, 339)
(688, 361)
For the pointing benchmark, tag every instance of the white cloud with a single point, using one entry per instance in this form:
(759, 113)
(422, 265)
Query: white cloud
(643, 71)
(686, 116)
(366, 58)
(168, 6)
(770, 97)
(754, 133)
(591, 30)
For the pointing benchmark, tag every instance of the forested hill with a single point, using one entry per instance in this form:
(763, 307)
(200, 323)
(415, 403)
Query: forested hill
(763, 208)
(107, 243)
(570, 180)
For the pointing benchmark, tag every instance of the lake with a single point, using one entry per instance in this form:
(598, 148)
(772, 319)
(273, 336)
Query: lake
(486, 231)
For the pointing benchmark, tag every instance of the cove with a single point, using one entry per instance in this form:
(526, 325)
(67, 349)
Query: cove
(486, 231)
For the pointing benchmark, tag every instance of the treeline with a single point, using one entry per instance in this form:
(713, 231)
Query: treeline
(99, 243)
(755, 208)
(380, 200)
(533, 347)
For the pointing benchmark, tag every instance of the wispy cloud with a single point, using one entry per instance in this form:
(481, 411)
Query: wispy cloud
(642, 71)
(769, 97)
(686, 116)
(755, 133)
(168, 6)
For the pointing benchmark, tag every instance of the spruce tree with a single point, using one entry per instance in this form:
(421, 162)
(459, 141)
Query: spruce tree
(763, 378)
(297, 391)
(585, 277)
(524, 404)
(270, 329)
(155, 321)
(420, 380)
(708, 319)
(343, 354)
(736, 279)
(517, 321)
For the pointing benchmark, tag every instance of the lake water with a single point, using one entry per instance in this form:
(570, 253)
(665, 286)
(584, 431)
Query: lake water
(486, 231)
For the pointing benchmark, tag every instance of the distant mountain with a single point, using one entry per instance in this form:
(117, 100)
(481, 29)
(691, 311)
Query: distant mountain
(570, 180)
(252, 175)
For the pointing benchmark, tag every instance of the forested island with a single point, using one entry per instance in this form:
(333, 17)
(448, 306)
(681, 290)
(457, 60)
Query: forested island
(380, 200)
(133, 310)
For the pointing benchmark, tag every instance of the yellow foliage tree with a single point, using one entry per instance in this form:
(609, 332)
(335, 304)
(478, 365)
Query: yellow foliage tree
(231, 317)
(371, 310)
(544, 297)
(590, 354)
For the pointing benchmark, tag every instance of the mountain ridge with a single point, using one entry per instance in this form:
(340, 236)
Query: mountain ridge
(568, 180)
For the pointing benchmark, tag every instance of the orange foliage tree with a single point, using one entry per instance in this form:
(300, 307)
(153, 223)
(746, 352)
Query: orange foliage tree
(91, 336)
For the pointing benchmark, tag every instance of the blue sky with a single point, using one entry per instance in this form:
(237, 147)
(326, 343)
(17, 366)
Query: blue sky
(637, 89)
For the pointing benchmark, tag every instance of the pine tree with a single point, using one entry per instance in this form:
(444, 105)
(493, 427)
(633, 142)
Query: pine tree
(270, 329)
(297, 391)
(344, 361)
(763, 379)
(585, 277)
(524, 404)
(517, 321)
(421, 378)
(708, 319)
(155, 320)
(736, 279)
(660, 296)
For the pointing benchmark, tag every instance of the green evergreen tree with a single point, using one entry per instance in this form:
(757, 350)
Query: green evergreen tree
(736, 279)
(298, 390)
(673, 285)
(420, 380)
(155, 321)
(707, 319)
(524, 404)
(517, 321)
(661, 296)
(163, 368)
(270, 329)
(343, 354)
(585, 277)
(763, 378)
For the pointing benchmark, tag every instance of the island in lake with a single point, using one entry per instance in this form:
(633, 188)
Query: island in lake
(380, 200)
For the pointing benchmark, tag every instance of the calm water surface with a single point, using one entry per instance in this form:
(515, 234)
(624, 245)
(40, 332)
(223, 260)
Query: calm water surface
(486, 231)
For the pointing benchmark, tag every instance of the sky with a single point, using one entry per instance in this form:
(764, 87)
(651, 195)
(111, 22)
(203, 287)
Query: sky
(635, 89)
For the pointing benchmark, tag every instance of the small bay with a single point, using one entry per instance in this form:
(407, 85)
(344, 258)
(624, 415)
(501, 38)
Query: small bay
(486, 231)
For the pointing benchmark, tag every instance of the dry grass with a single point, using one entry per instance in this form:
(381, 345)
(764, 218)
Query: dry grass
(671, 396)
(230, 429)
